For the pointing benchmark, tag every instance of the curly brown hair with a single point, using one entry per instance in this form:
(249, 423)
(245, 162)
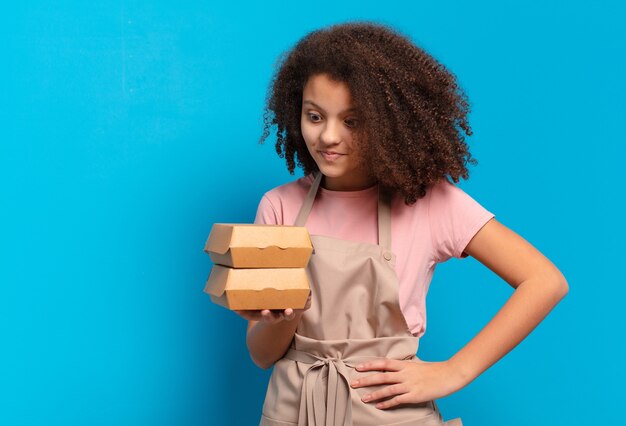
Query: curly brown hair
(412, 112)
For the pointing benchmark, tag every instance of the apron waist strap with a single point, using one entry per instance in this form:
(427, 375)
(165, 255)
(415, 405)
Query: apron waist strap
(309, 358)
(329, 405)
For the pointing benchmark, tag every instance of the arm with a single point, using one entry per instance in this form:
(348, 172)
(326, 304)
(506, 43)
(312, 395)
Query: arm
(268, 341)
(539, 286)
(270, 333)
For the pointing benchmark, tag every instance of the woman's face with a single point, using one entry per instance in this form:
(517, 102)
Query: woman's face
(328, 123)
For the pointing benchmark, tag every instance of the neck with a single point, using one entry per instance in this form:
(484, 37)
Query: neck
(338, 184)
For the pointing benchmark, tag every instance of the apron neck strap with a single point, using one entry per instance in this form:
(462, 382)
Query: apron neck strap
(308, 201)
(384, 211)
(384, 219)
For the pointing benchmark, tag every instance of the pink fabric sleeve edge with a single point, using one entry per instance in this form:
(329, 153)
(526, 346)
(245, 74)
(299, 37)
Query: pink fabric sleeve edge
(266, 198)
(433, 255)
(462, 243)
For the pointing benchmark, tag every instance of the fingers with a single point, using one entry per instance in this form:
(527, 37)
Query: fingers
(376, 379)
(386, 392)
(399, 392)
(270, 316)
(397, 400)
(267, 315)
(389, 376)
(381, 364)
(277, 316)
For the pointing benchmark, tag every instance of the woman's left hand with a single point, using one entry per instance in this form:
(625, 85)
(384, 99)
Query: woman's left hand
(409, 381)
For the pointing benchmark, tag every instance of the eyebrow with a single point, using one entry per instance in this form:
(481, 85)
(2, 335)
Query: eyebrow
(319, 107)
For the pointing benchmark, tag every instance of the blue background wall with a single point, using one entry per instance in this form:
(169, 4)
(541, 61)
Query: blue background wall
(129, 128)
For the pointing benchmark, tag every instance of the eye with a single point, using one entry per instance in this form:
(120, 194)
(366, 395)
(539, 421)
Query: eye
(314, 117)
(351, 122)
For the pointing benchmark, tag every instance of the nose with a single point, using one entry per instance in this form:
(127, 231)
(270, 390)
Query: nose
(331, 134)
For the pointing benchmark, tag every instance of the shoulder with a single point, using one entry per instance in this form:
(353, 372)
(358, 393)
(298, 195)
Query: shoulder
(444, 194)
(454, 217)
(443, 187)
(291, 192)
(279, 205)
(440, 193)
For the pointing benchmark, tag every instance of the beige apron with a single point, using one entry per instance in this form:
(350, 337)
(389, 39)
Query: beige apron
(354, 316)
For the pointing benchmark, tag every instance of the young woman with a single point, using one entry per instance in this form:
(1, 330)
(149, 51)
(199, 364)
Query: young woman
(378, 127)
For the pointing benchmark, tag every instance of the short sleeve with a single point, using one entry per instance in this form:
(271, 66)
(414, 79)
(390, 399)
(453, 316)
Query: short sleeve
(454, 219)
(266, 213)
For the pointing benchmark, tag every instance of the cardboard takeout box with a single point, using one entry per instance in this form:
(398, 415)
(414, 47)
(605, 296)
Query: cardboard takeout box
(259, 246)
(262, 288)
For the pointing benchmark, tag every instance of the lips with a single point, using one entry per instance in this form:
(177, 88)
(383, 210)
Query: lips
(331, 155)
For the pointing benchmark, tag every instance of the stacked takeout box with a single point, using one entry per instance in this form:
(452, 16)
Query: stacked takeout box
(258, 266)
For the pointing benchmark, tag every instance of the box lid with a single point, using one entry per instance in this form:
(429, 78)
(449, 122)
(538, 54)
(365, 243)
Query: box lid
(224, 236)
(224, 279)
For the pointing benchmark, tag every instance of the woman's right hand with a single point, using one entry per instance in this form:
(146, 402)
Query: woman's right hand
(275, 315)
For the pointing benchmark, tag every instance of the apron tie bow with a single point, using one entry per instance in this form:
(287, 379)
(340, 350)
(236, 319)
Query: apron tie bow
(321, 405)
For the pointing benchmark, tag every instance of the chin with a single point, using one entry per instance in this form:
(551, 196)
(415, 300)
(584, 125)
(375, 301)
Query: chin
(330, 172)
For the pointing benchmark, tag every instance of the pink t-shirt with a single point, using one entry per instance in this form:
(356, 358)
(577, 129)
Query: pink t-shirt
(434, 229)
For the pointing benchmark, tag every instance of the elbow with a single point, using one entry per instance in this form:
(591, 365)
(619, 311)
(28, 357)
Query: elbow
(562, 283)
(564, 288)
(264, 365)
(553, 285)
(561, 287)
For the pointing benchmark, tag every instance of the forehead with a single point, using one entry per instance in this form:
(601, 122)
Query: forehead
(327, 93)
